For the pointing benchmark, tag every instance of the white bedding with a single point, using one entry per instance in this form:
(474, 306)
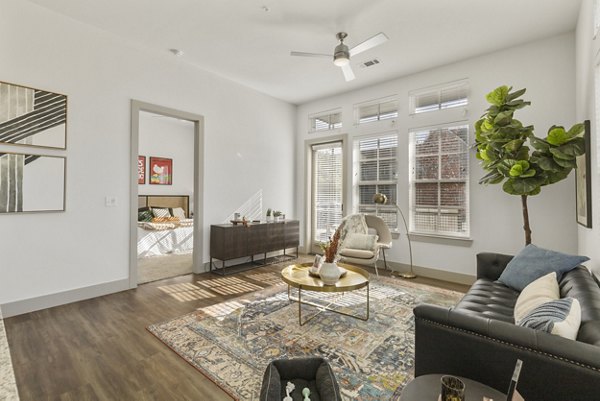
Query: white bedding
(155, 243)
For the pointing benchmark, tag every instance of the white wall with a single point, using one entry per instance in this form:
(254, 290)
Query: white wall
(161, 136)
(547, 69)
(587, 48)
(249, 145)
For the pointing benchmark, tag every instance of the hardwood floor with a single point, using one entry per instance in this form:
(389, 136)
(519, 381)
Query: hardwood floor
(99, 349)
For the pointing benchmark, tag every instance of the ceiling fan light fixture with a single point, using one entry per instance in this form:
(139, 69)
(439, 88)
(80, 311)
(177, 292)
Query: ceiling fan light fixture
(341, 56)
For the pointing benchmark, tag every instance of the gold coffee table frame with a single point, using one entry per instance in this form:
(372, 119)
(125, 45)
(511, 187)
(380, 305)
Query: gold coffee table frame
(297, 276)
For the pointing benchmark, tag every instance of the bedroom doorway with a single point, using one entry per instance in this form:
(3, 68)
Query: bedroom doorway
(166, 193)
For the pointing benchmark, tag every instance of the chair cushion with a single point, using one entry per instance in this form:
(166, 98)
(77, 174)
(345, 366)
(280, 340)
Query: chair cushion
(542, 290)
(532, 263)
(357, 253)
(360, 241)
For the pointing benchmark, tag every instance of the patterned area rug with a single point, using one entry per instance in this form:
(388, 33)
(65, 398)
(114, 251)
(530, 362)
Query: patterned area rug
(232, 342)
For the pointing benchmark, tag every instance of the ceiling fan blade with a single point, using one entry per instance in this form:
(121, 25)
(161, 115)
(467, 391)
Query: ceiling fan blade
(302, 54)
(369, 43)
(348, 73)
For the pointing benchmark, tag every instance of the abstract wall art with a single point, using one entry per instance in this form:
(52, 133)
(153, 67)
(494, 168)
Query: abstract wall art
(583, 182)
(32, 117)
(31, 183)
(141, 170)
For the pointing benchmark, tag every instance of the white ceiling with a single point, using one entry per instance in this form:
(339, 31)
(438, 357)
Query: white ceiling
(237, 39)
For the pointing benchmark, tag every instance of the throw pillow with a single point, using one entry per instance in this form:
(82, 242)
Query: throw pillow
(178, 212)
(161, 212)
(360, 241)
(561, 317)
(533, 262)
(145, 215)
(540, 291)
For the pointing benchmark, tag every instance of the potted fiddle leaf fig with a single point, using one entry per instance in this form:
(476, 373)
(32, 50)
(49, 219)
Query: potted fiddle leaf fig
(512, 155)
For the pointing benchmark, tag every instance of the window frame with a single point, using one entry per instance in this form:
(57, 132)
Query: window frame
(325, 115)
(377, 102)
(357, 172)
(412, 181)
(437, 90)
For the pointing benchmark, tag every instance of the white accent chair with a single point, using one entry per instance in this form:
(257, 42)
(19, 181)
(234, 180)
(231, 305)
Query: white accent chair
(369, 257)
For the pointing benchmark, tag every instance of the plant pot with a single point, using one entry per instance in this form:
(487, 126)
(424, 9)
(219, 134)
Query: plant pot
(330, 273)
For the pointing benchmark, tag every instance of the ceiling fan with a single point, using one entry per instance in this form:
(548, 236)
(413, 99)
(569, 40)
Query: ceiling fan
(341, 54)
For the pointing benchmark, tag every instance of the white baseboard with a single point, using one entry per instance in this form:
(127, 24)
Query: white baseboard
(66, 297)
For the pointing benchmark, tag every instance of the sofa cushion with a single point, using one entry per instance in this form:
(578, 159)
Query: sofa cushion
(540, 291)
(489, 299)
(533, 262)
(579, 284)
(560, 317)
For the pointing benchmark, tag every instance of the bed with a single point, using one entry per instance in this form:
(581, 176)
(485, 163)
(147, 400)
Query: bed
(168, 237)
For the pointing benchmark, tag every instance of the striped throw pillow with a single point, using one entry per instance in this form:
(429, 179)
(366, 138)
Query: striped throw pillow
(161, 212)
(561, 317)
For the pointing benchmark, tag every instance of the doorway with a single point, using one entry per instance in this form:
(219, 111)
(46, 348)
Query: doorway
(326, 187)
(159, 177)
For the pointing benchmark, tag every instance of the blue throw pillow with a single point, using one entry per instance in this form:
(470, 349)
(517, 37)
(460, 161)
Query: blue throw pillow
(533, 262)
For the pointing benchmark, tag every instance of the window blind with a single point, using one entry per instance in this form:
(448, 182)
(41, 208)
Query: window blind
(378, 111)
(439, 181)
(439, 98)
(327, 189)
(377, 172)
(325, 122)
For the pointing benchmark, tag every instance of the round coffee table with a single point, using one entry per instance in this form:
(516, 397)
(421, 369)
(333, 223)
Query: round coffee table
(298, 276)
(428, 387)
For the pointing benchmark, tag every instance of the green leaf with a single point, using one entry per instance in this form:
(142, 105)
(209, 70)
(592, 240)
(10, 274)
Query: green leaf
(518, 93)
(498, 96)
(557, 135)
(544, 162)
(513, 145)
(525, 186)
(558, 176)
(529, 173)
(523, 153)
(576, 130)
(558, 154)
(493, 177)
(575, 147)
(539, 143)
(486, 126)
(566, 163)
(503, 118)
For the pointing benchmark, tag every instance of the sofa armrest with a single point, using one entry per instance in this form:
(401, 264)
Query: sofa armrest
(491, 265)
(448, 341)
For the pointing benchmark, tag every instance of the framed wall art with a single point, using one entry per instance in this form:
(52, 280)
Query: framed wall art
(32, 117)
(141, 169)
(32, 183)
(583, 182)
(161, 171)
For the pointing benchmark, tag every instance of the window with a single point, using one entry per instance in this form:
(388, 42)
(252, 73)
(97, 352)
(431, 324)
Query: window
(439, 181)
(439, 98)
(376, 111)
(376, 172)
(325, 122)
(327, 184)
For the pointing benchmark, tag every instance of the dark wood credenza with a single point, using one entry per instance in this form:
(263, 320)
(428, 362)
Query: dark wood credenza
(228, 241)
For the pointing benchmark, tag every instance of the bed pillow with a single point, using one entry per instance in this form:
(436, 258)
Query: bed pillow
(533, 262)
(360, 241)
(178, 212)
(161, 212)
(561, 317)
(145, 215)
(542, 290)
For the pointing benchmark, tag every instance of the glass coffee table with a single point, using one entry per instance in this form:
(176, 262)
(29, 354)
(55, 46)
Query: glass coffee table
(298, 276)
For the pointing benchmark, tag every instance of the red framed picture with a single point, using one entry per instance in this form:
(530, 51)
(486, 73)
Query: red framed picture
(141, 169)
(161, 171)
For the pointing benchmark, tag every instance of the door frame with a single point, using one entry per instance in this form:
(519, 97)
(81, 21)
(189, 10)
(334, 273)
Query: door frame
(308, 184)
(198, 120)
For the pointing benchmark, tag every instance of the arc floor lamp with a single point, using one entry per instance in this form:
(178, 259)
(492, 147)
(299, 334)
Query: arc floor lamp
(381, 199)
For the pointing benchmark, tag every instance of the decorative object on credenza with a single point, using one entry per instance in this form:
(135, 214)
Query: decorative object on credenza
(329, 271)
(583, 181)
(504, 147)
(32, 117)
(278, 215)
(269, 214)
(141, 167)
(161, 171)
(31, 183)
(381, 199)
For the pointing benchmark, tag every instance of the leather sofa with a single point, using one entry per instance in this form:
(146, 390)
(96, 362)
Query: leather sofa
(478, 339)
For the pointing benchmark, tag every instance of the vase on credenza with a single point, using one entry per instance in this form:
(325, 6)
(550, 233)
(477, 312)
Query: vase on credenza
(330, 273)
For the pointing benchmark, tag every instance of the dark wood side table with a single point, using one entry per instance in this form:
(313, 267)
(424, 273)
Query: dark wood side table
(427, 388)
